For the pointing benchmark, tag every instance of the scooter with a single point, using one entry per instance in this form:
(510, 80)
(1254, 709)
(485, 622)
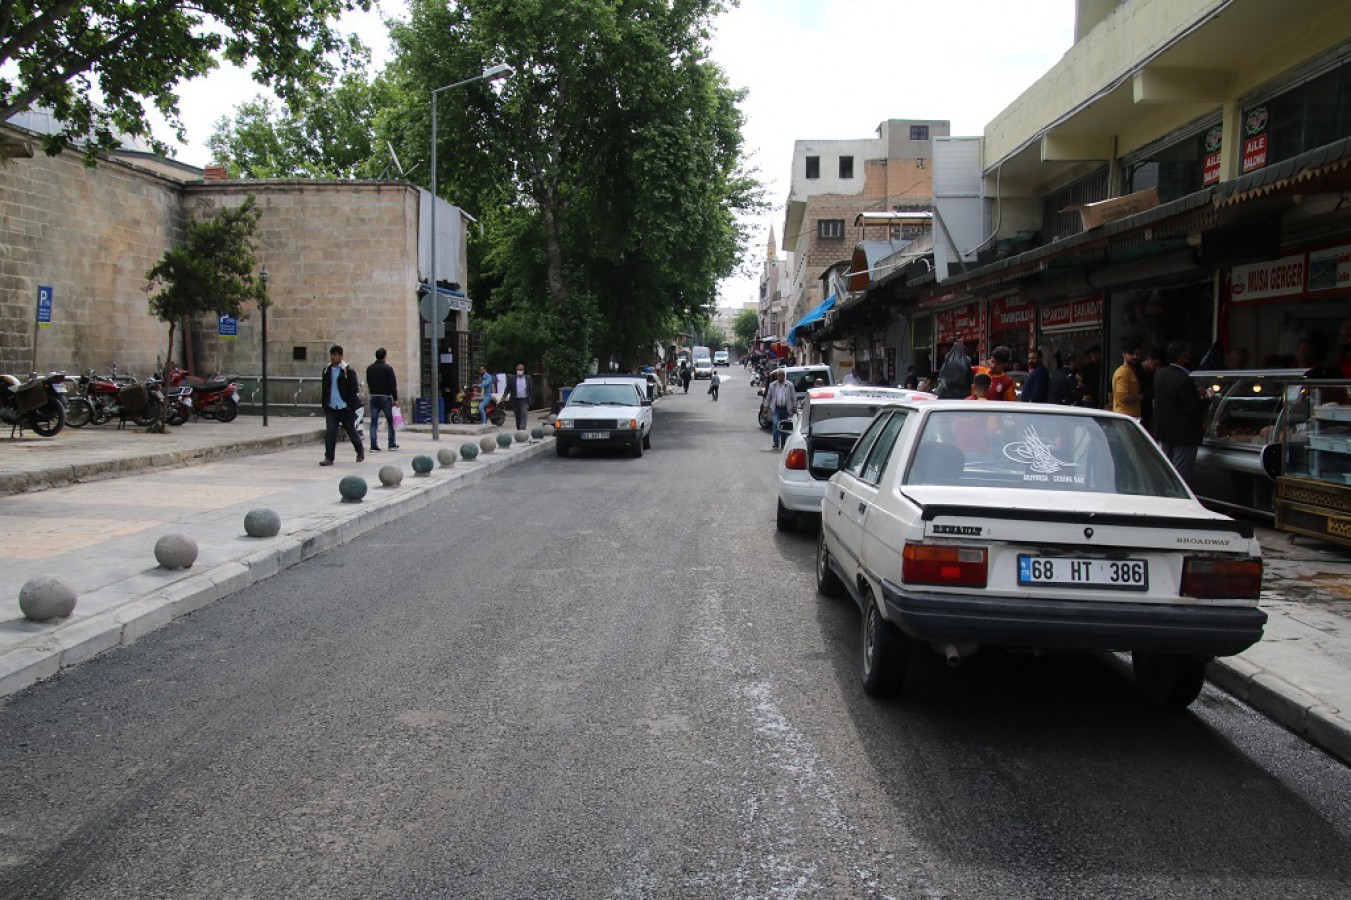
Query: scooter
(36, 404)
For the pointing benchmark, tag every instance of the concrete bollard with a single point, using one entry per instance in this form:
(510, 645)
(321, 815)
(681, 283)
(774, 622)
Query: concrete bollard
(176, 551)
(469, 451)
(521, 437)
(262, 523)
(487, 443)
(446, 457)
(392, 476)
(504, 440)
(423, 465)
(353, 488)
(537, 433)
(44, 597)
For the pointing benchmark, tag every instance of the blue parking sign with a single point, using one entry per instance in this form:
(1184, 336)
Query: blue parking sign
(229, 327)
(45, 297)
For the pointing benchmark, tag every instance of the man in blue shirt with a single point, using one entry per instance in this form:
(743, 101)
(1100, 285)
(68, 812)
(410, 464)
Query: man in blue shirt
(341, 397)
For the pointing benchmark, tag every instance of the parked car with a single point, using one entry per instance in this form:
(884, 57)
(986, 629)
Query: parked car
(956, 524)
(823, 432)
(647, 384)
(605, 412)
(720, 358)
(802, 378)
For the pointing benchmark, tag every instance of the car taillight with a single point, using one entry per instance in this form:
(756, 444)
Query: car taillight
(955, 566)
(797, 459)
(1206, 578)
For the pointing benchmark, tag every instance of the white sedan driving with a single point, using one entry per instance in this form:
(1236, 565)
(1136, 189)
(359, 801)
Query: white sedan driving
(954, 524)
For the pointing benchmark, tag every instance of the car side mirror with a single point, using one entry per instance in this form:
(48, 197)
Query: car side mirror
(647, 402)
(1273, 456)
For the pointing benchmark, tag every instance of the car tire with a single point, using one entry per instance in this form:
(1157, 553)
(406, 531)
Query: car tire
(647, 441)
(636, 451)
(1167, 680)
(561, 448)
(828, 584)
(882, 667)
(785, 518)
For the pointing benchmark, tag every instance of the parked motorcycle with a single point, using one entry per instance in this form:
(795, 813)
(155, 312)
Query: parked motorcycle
(466, 414)
(35, 404)
(215, 399)
(96, 399)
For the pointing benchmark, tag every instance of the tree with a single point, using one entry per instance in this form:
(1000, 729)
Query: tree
(608, 168)
(211, 271)
(745, 327)
(96, 63)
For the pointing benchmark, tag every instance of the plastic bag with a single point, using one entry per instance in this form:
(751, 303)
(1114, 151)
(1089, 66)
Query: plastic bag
(397, 417)
(954, 378)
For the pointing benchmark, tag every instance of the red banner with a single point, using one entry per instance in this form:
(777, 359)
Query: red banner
(1211, 169)
(1010, 313)
(1254, 153)
(960, 324)
(1077, 314)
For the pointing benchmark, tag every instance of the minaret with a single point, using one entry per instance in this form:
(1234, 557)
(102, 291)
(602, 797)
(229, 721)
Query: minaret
(772, 249)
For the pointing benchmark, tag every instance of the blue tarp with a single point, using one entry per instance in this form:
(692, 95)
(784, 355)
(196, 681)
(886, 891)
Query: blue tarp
(815, 315)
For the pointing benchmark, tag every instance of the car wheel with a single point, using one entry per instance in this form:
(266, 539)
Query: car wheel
(827, 582)
(785, 518)
(1168, 680)
(647, 441)
(883, 651)
(560, 448)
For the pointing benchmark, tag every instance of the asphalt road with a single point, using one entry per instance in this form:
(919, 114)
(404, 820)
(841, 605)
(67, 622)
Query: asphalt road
(605, 676)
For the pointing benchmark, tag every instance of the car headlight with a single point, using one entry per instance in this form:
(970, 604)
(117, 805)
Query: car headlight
(632, 424)
(563, 423)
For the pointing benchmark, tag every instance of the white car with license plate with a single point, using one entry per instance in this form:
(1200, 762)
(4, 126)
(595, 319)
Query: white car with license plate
(605, 412)
(959, 523)
(824, 430)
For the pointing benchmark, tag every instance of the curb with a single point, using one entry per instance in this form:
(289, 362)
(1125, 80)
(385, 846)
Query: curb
(1284, 704)
(99, 470)
(73, 642)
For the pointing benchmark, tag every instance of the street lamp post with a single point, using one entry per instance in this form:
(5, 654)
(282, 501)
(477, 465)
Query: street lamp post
(497, 71)
(263, 304)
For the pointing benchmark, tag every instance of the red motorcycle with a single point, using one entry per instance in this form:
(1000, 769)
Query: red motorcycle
(101, 399)
(215, 399)
(467, 414)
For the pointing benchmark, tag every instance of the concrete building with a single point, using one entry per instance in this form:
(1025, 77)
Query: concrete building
(772, 307)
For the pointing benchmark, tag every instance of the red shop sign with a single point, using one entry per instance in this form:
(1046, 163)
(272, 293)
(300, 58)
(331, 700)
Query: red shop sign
(1076, 314)
(960, 324)
(1010, 313)
(1254, 153)
(1211, 168)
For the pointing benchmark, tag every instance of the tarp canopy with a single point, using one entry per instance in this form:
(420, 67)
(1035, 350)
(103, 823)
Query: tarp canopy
(816, 315)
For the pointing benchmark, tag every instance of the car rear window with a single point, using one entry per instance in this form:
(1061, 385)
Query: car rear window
(996, 448)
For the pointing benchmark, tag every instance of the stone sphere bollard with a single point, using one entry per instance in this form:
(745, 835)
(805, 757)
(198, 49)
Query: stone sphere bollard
(521, 437)
(549, 428)
(391, 476)
(176, 551)
(446, 457)
(504, 440)
(469, 451)
(262, 523)
(423, 464)
(487, 443)
(44, 597)
(352, 488)
(537, 433)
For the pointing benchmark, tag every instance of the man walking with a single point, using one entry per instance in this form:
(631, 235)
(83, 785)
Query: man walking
(1063, 381)
(383, 386)
(780, 398)
(520, 392)
(341, 398)
(713, 384)
(1037, 387)
(1178, 410)
(1126, 391)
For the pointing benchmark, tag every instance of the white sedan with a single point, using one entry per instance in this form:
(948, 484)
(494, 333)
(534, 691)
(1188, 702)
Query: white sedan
(824, 430)
(958, 523)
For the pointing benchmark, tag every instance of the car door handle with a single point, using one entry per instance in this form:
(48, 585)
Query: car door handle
(861, 508)
(841, 494)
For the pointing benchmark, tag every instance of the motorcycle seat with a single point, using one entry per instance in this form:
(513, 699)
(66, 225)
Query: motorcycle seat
(210, 387)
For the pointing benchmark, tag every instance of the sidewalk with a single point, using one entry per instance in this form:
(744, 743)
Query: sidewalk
(96, 500)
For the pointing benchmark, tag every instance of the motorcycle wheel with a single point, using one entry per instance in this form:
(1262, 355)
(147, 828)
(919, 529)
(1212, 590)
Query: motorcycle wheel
(226, 410)
(148, 415)
(177, 415)
(766, 422)
(49, 420)
(101, 413)
(79, 413)
(497, 417)
(455, 417)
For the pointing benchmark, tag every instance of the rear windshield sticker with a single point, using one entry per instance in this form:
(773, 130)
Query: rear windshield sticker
(1042, 463)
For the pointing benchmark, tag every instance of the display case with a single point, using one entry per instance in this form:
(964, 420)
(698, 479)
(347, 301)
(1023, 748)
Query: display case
(1313, 491)
(1244, 413)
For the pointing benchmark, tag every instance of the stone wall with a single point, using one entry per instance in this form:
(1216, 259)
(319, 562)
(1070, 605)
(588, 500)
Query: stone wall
(90, 234)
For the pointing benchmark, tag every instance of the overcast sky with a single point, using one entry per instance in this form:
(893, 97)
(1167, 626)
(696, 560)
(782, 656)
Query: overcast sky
(814, 69)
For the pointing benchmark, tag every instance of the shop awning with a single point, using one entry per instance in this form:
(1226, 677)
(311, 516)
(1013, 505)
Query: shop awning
(816, 315)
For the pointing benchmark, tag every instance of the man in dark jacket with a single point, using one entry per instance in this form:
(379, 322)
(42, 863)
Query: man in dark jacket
(340, 393)
(383, 386)
(1179, 412)
(1062, 388)
(1037, 386)
(520, 393)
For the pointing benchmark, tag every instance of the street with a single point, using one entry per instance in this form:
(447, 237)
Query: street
(606, 676)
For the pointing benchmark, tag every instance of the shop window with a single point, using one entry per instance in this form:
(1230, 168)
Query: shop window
(830, 228)
(1175, 171)
(846, 167)
(813, 167)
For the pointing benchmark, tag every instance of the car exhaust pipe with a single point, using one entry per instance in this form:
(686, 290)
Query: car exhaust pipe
(953, 657)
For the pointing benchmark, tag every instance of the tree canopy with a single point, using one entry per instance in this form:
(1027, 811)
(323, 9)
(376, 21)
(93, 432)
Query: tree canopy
(97, 64)
(745, 327)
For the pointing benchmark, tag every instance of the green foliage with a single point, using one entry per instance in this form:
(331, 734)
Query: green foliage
(745, 326)
(715, 338)
(96, 64)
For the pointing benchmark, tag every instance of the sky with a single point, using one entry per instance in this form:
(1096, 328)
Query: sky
(813, 69)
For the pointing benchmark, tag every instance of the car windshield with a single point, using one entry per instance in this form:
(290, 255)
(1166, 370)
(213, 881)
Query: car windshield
(838, 419)
(991, 447)
(603, 394)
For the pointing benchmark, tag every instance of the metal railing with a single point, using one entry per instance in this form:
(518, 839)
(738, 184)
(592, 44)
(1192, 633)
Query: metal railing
(287, 395)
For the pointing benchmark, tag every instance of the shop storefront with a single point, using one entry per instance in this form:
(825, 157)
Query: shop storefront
(1154, 317)
(1291, 312)
(963, 324)
(1013, 324)
(1072, 325)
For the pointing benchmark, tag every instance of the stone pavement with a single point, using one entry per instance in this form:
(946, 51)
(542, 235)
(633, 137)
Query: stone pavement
(90, 504)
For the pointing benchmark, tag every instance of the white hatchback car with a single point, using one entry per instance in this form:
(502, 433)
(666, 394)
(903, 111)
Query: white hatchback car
(959, 523)
(823, 432)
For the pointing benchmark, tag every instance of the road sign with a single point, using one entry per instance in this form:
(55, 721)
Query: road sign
(45, 297)
(437, 309)
(228, 327)
(438, 327)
